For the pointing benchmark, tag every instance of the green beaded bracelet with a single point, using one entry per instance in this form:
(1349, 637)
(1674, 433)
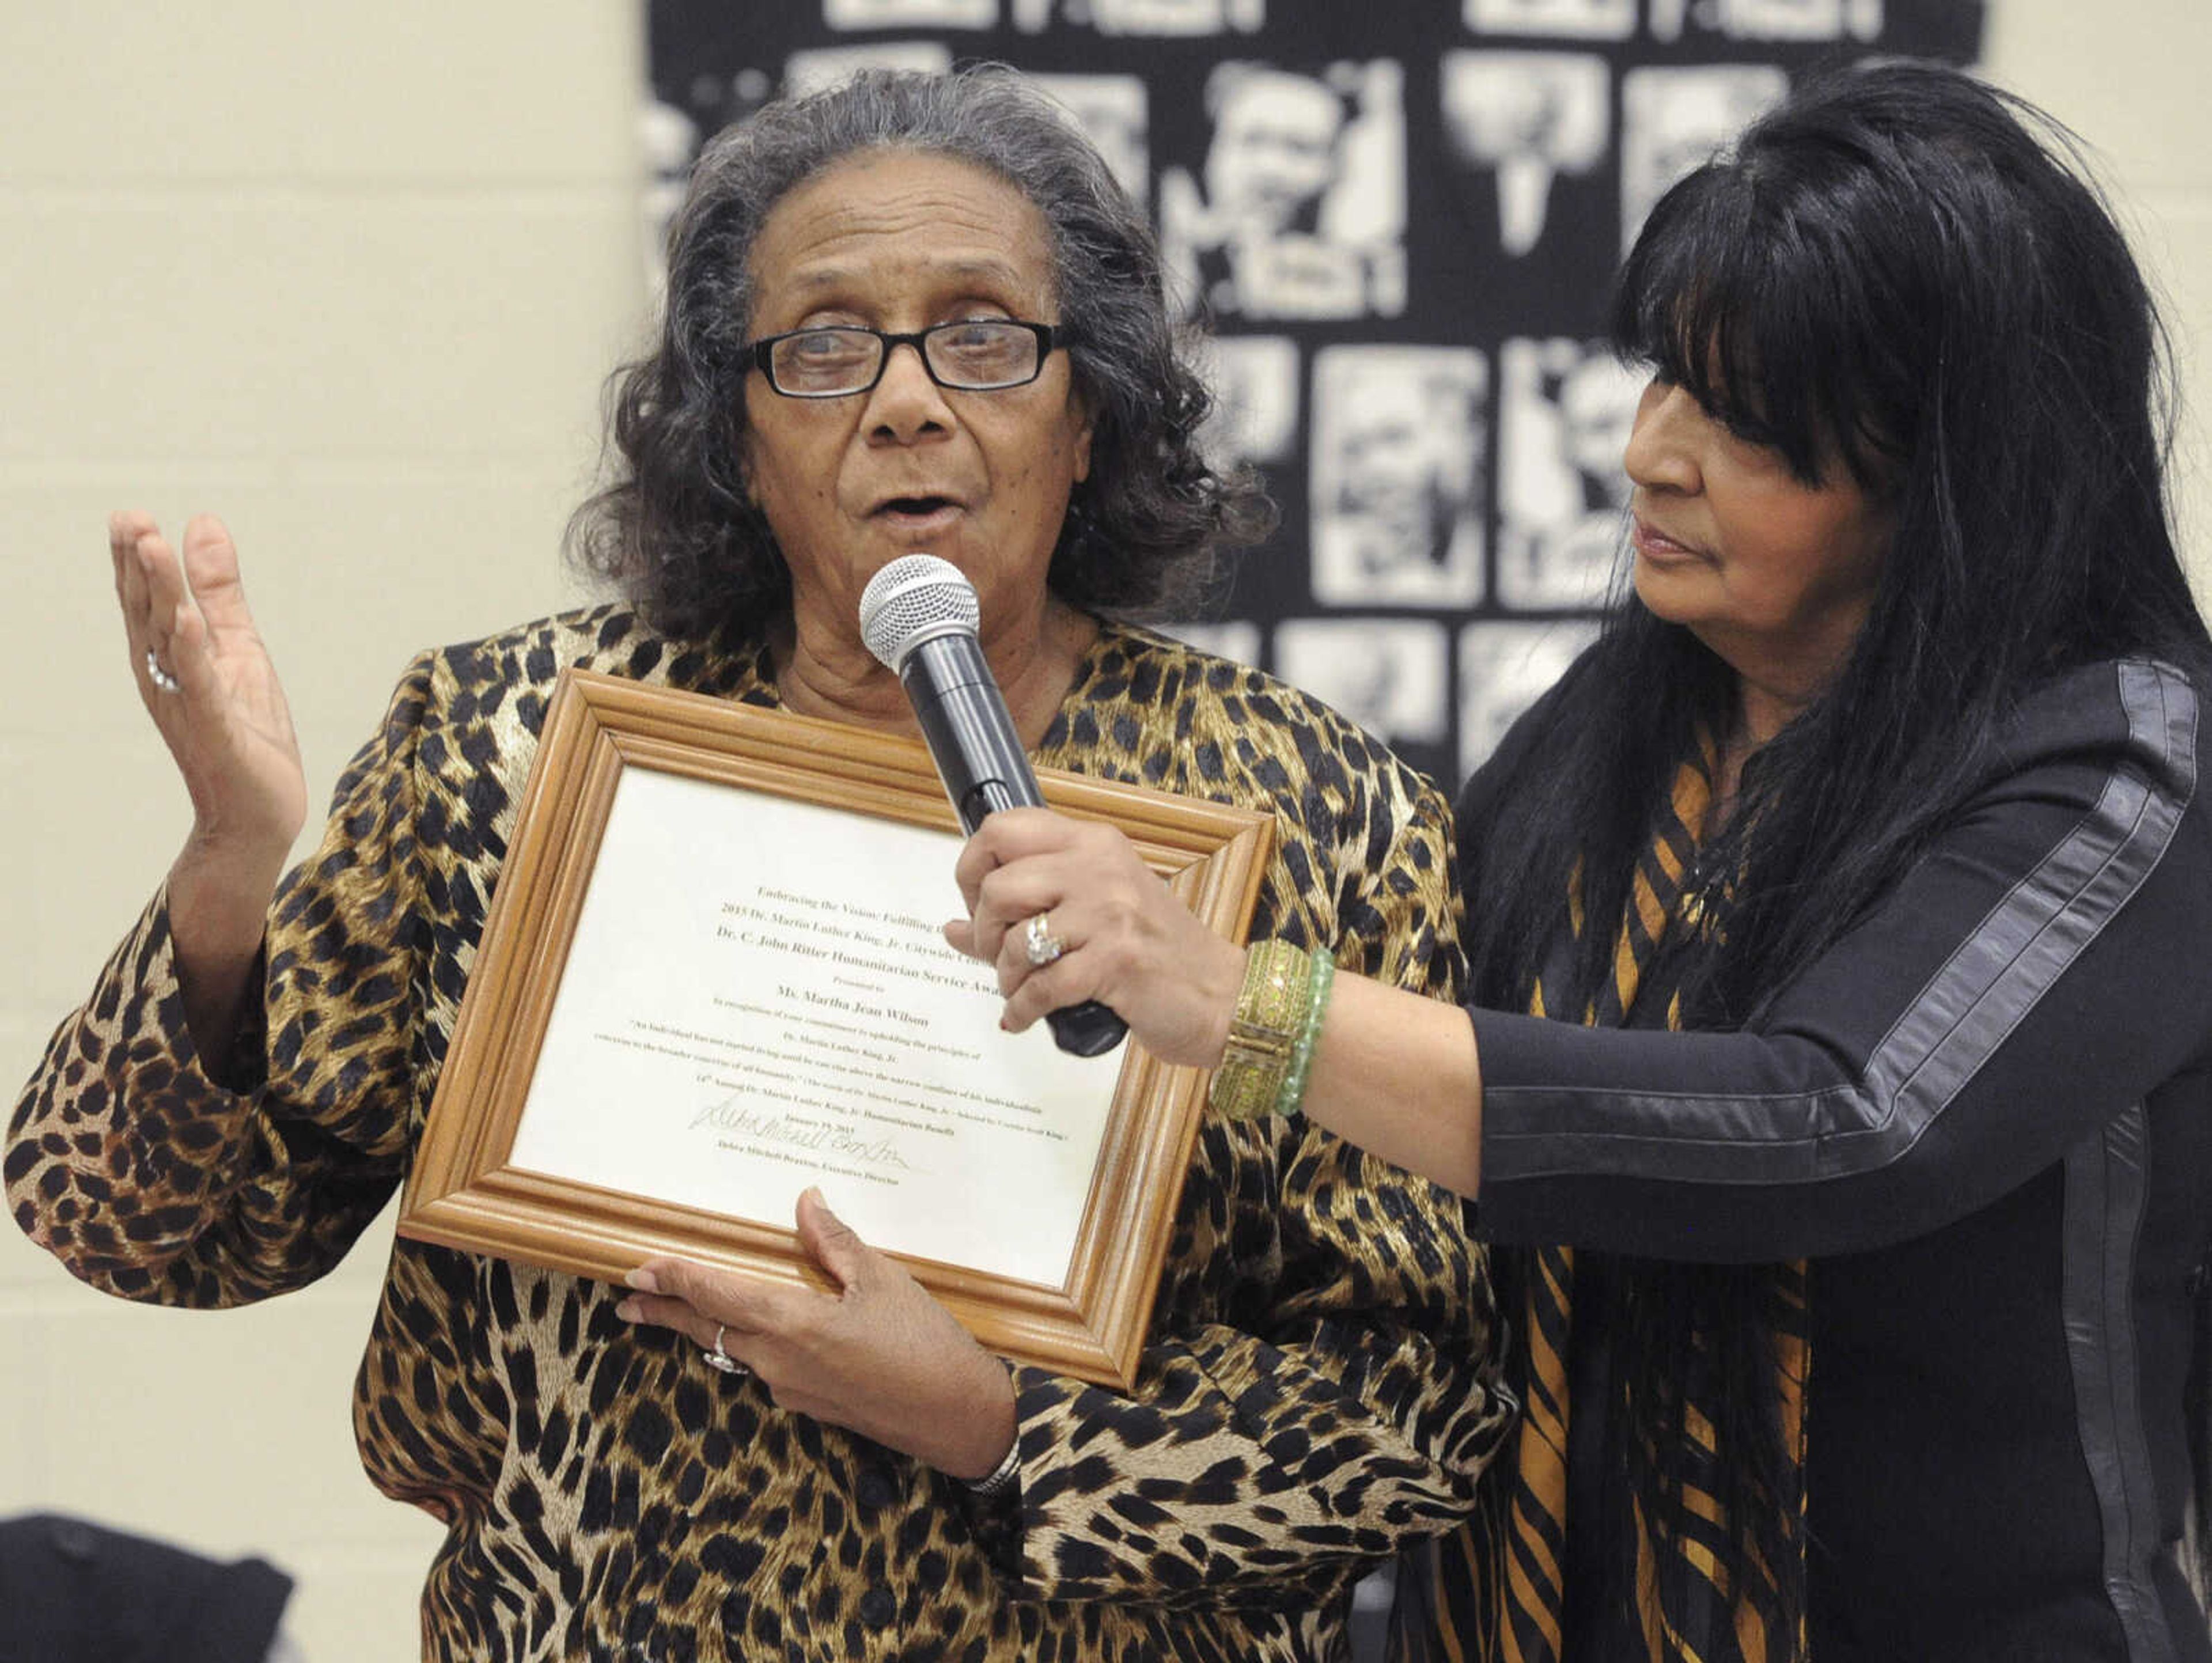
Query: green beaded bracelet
(1294, 1077)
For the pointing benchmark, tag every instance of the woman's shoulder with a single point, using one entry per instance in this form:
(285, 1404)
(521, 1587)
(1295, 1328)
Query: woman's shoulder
(2122, 742)
(1195, 676)
(2142, 712)
(611, 638)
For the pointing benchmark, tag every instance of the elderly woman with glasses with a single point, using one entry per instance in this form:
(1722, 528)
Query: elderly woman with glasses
(911, 314)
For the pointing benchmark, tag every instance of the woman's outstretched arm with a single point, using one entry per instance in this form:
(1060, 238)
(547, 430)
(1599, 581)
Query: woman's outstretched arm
(2010, 995)
(1395, 1072)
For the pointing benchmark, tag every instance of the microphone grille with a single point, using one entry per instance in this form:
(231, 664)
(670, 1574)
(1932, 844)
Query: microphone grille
(913, 598)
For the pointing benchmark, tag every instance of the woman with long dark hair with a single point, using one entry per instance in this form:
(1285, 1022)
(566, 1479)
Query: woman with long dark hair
(1865, 1316)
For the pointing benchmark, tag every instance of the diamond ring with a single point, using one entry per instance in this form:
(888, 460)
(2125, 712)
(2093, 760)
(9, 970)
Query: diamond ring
(1039, 945)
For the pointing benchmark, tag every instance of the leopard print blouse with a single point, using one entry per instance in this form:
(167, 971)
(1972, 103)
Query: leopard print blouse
(1318, 1381)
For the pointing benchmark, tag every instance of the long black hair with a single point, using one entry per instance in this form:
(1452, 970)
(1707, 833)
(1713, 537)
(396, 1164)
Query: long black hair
(674, 531)
(1906, 274)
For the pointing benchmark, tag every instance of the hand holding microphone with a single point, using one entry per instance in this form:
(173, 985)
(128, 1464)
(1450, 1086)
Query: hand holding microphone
(919, 616)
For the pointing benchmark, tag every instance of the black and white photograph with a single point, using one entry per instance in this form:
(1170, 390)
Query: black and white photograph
(1166, 19)
(1802, 21)
(1576, 20)
(1254, 382)
(1674, 119)
(825, 66)
(1391, 676)
(1528, 118)
(1116, 112)
(847, 14)
(1564, 411)
(1503, 667)
(1296, 209)
(1235, 639)
(1397, 508)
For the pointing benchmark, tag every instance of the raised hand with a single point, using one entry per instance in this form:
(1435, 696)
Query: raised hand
(877, 1355)
(207, 683)
(1126, 941)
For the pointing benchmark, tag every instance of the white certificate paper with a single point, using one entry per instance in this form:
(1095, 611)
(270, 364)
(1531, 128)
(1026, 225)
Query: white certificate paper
(757, 998)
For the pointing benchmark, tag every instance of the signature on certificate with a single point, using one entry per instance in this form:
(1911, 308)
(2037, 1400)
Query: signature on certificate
(796, 1131)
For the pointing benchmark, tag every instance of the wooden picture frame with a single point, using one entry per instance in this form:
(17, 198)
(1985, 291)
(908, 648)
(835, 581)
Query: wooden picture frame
(463, 1190)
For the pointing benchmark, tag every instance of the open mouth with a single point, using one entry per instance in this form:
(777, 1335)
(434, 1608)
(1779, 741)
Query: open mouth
(916, 506)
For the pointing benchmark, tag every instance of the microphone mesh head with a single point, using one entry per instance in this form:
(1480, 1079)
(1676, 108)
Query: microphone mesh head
(911, 599)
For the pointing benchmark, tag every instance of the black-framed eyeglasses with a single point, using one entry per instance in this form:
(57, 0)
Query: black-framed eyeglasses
(978, 355)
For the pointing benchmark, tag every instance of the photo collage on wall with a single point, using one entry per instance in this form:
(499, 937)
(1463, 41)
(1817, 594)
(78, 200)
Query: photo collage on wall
(1399, 225)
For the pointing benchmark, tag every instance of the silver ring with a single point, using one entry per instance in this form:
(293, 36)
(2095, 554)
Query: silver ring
(717, 1357)
(1039, 945)
(161, 677)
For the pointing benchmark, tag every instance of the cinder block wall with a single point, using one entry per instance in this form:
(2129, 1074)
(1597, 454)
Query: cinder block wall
(352, 276)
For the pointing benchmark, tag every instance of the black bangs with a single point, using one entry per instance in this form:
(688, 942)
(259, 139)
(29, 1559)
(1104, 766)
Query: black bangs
(1732, 297)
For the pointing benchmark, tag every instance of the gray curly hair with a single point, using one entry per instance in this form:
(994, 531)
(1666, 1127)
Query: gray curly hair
(676, 533)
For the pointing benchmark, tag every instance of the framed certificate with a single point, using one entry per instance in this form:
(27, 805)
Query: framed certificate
(713, 975)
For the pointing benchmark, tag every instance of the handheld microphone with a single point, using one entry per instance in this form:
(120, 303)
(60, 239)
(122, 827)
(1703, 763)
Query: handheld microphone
(919, 616)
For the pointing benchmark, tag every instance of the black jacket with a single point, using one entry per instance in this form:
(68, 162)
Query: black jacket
(1985, 1114)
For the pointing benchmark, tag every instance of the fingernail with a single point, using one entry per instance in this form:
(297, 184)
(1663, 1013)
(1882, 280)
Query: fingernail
(627, 1310)
(814, 1193)
(643, 1280)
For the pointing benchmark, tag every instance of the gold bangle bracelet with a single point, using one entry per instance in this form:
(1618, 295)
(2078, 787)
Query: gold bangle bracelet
(1263, 1031)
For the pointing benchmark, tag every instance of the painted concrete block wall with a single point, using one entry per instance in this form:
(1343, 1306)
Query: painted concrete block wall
(350, 275)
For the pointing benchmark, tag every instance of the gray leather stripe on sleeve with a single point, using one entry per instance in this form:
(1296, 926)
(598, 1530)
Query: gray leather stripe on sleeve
(2105, 1200)
(2032, 935)
(1943, 1036)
